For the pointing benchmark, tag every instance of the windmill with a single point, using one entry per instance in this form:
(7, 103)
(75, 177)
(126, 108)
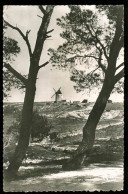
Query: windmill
(58, 95)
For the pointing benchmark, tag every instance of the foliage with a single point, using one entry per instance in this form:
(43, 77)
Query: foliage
(10, 109)
(111, 11)
(87, 44)
(14, 128)
(10, 51)
(40, 127)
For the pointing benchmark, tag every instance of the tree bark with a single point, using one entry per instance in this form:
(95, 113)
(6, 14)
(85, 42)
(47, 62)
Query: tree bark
(26, 121)
(89, 129)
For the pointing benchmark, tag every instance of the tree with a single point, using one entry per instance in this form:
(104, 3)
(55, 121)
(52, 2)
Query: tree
(92, 44)
(30, 85)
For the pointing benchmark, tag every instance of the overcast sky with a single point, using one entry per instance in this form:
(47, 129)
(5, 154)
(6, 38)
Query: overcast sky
(25, 17)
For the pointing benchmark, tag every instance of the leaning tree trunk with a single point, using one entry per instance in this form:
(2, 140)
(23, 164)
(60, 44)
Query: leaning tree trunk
(90, 127)
(108, 85)
(26, 121)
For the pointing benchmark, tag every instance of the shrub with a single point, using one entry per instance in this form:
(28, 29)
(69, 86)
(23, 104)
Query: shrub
(10, 109)
(40, 127)
(14, 128)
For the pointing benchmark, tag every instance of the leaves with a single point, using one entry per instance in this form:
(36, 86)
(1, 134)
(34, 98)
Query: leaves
(9, 81)
(112, 11)
(10, 51)
(119, 87)
(86, 33)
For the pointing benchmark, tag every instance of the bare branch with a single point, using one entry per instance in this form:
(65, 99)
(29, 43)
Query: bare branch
(16, 73)
(43, 65)
(47, 36)
(119, 66)
(50, 31)
(27, 33)
(119, 76)
(42, 9)
(40, 16)
(23, 36)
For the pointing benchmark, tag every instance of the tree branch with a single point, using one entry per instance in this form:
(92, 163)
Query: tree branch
(117, 41)
(100, 64)
(118, 76)
(40, 16)
(42, 9)
(42, 32)
(95, 37)
(25, 37)
(50, 31)
(119, 66)
(84, 56)
(43, 65)
(48, 36)
(90, 73)
(16, 73)
(103, 48)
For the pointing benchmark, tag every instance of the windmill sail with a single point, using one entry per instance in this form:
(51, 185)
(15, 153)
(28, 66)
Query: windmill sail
(53, 95)
(57, 94)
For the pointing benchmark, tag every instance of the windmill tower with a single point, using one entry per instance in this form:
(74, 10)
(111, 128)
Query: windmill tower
(58, 95)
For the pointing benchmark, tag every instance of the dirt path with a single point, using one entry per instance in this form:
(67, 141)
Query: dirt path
(100, 176)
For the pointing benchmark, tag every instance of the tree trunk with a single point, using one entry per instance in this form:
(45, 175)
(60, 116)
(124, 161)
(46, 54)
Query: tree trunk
(26, 121)
(90, 127)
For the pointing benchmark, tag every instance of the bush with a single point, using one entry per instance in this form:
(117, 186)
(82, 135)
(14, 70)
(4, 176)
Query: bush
(10, 109)
(14, 128)
(40, 127)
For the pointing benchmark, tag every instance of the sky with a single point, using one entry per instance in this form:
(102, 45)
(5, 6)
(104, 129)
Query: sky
(25, 17)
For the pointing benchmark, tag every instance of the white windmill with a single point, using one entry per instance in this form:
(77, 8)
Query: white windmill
(58, 95)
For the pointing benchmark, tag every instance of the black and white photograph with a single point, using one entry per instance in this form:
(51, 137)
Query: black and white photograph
(63, 98)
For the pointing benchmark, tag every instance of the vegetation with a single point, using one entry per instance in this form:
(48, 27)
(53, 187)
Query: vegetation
(91, 44)
(10, 51)
(40, 127)
(9, 109)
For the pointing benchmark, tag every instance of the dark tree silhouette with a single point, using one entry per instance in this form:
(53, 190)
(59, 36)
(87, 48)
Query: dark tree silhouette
(30, 85)
(95, 44)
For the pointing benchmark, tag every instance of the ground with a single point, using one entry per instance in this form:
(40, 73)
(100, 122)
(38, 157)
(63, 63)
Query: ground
(41, 170)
